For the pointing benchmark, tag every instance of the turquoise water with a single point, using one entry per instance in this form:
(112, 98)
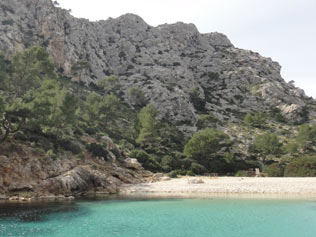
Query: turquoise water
(163, 218)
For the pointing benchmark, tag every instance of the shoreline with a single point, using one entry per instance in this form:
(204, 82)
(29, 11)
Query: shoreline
(247, 196)
(285, 188)
(225, 187)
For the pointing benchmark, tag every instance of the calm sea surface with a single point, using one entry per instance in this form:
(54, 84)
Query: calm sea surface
(161, 217)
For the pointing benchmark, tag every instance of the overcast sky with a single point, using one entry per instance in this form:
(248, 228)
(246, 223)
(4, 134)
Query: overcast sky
(284, 30)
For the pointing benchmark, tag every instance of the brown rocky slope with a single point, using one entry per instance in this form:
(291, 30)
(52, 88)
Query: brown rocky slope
(26, 174)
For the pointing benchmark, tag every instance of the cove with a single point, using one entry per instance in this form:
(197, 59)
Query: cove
(161, 217)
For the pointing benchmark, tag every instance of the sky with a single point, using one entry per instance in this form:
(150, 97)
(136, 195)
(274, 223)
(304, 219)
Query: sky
(284, 30)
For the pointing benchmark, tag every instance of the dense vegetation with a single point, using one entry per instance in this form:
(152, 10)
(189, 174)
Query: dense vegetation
(56, 115)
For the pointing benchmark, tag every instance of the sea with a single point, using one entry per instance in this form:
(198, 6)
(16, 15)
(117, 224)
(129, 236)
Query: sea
(161, 217)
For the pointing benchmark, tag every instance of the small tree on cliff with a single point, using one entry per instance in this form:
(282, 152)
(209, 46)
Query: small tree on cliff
(92, 107)
(3, 72)
(109, 109)
(137, 97)
(110, 84)
(266, 144)
(306, 137)
(12, 118)
(205, 144)
(149, 126)
(29, 68)
(257, 120)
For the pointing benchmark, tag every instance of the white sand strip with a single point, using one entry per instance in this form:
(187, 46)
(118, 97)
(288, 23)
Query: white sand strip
(226, 185)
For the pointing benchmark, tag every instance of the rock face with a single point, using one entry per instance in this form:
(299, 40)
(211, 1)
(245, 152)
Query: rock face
(133, 164)
(166, 62)
(28, 174)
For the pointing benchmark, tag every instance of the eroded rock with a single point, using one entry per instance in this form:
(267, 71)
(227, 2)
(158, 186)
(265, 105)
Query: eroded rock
(133, 164)
(166, 61)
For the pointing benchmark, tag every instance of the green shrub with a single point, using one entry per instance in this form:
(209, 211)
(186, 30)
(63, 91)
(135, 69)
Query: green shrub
(208, 121)
(81, 156)
(205, 144)
(97, 150)
(117, 153)
(91, 130)
(197, 168)
(306, 136)
(51, 153)
(176, 173)
(242, 173)
(166, 168)
(170, 161)
(301, 167)
(2, 102)
(280, 118)
(292, 148)
(166, 163)
(173, 174)
(148, 161)
(185, 163)
(122, 54)
(266, 144)
(277, 115)
(70, 145)
(8, 22)
(141, 155)
(197, 101)
(257, 120)
(124, 144)
(273, 170)
(152, 165)
(42, 142)
(137, 97)
(190, 173)
(79, 131)
(20, 136)
(80, 65)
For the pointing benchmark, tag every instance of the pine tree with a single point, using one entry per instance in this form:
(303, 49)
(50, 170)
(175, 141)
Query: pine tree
(29, 68)
(266, 144)
(109, 109)
(149, 126)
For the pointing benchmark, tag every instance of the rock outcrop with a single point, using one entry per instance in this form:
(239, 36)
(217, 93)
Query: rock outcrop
(133, 164)
(166, 62)
(26, 174)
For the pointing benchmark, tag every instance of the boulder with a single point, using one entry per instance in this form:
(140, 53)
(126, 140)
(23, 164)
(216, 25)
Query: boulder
(76, 180)
(132, 163)
(292, 112)
(195, 181)
(110, 145)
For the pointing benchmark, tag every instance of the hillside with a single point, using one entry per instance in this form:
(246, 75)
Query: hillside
(158, 92)
(167, 61)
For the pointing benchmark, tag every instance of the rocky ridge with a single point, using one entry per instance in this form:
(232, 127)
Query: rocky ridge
(166, 62)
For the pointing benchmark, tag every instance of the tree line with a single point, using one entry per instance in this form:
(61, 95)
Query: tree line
(43, 107)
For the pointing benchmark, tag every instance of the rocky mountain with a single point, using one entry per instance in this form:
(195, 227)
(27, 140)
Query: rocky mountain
(196, 82)
(167, 62)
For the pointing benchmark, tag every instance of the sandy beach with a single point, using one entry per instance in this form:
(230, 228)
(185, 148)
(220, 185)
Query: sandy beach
(223, 186)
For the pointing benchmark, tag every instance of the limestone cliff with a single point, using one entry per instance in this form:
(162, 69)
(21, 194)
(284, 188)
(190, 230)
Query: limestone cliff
(167, 61)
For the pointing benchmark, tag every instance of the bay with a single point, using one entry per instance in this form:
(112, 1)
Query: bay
(161, 217)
